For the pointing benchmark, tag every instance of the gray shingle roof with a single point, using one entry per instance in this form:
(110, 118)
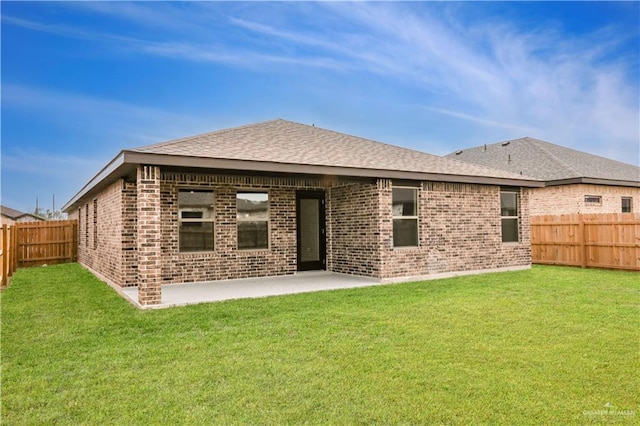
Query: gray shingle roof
(280, 146)
(16, 214)
(286, 142)
(12, 213)
(547, 161)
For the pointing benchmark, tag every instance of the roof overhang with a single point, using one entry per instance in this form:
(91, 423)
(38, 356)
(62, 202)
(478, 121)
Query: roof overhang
(114, 170)
(593, 181)
(126, 162)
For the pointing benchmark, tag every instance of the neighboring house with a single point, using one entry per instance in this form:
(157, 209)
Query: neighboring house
(278, 197)
(11, 216)
(575, 182)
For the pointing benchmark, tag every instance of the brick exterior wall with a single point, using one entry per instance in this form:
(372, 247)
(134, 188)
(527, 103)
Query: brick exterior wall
(138, 242)
(227, 261)
(353, 230)
(129, 246)
(459, 230)
(100, 231)
(149, 235)
(567, 199)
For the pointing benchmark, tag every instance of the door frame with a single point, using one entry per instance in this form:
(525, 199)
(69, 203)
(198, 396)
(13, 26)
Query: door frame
(322, 230)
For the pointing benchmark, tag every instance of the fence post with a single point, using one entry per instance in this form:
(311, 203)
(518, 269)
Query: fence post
(5, 257)
(583, 243)
(74, 241)
(13, 250)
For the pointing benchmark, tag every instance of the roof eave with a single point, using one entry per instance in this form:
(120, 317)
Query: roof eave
(593, 181)
(113, 168)
(125, 161)
(263, 166)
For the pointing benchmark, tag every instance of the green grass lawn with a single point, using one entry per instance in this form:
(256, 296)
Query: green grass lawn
(551, 345)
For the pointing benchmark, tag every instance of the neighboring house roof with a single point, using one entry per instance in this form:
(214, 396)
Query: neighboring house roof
(280, 146)
(554, 164)
(16, 214)
(10, 213)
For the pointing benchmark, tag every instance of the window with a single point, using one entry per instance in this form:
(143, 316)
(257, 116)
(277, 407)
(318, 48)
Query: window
(80, 225)
(95, 223)
(594, 200)
(509, 216)
(196, 217)
(252, 213)
(405, 217)
(86, 225)
(627, 202)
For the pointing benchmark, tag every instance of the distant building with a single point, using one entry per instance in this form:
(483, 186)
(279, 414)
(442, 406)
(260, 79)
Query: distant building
(11, 216)
(575, 181)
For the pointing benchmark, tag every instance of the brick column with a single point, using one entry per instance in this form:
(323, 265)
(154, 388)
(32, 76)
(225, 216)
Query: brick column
(149, 236)
(385, 224)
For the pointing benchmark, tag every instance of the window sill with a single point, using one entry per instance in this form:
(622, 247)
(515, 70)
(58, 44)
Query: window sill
(405, 248)
(196, 253)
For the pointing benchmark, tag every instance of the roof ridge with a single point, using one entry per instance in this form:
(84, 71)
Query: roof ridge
(541, 144)
(362, 138)
(584, 153)
(409, 150)
(548, 161)
(275, 120)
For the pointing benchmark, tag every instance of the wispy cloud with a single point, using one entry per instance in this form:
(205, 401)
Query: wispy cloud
(208, 50)
(128, 124)
(239, 57)
(44, 175)
(527, 78)
(95, 129)
(483, 121)
(491, 73)
(50, 165)
(168, 15)
(568, 90)
(68, 31)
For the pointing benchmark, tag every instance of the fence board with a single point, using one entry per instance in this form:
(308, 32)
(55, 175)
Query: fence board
(8, 261)
(48, 242)
(13, 250)
(610, 240)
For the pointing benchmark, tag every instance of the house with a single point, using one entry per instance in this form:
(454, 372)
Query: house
(575, 181)
(278, 197)
(11, 216)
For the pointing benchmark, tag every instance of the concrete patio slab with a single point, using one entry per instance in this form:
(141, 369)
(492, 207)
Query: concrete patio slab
(215, 291)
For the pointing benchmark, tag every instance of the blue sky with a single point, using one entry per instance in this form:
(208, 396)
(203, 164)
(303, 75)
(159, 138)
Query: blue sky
(83, 80)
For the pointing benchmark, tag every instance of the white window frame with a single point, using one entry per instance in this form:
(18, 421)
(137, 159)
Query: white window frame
(516, 217)
(415, 217)
(593, 200)
(211, 219)
(267, 220)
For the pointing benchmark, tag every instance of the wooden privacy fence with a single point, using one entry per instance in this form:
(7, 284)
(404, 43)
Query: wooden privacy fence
(38, 243)
(606, 240)
(9, 260)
